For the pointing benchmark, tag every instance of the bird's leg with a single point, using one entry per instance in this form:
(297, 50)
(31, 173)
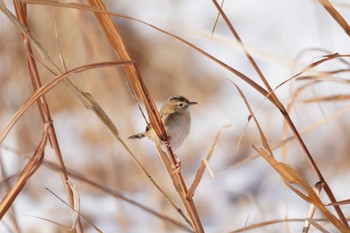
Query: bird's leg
(166, 143)
(177, 161)
(177, 165)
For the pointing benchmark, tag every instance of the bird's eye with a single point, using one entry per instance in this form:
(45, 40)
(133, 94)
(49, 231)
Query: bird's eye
(181, 105)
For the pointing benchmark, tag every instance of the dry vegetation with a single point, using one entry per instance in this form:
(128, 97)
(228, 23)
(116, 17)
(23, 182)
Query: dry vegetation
(71, 75)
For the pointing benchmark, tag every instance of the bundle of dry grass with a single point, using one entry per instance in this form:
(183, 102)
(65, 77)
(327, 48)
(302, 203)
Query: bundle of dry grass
(73, 56)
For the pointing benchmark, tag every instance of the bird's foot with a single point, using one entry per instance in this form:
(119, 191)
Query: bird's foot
(177, 165)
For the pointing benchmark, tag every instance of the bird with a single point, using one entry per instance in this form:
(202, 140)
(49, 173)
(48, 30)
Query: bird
(176, 119)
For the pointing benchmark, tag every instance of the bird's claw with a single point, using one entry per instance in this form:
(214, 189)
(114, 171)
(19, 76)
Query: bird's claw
(177, 165)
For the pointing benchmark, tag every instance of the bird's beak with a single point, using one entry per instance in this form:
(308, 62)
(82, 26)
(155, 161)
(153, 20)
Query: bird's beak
(192, 103)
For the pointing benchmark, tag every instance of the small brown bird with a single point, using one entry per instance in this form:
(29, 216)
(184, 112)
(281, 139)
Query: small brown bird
(176, 119)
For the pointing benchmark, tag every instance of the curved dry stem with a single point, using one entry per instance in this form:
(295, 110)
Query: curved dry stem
(289, 174)
(271, 222)
(313, 65)
(336, 16)
(274, 99)
(46, 88)
(30, 168)
(291, 178)
(116, 194)
(204, 164)
(141, 91)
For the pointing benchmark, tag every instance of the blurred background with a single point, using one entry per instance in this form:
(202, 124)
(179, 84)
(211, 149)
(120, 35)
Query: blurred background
(283, 36)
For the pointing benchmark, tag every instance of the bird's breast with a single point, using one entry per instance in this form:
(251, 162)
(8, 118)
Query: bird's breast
(178, 127)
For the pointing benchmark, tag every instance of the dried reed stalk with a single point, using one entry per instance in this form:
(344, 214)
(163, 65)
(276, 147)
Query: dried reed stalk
(141, 91)
(118, 195)
(30, 168)
(86, 98)
(336, 15)
(21, 12)
(274, 99)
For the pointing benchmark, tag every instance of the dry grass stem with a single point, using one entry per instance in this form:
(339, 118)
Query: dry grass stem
(336, 16)
(252, 115)
(271, 222)
(204, 164)
(76, 207)
(48, 61)
(327, 98)
(30, 168)
(283, 143)
(116, 194)
(284, 112)
(141, 91)
(309, 67)
(50, 85)
(287, 173)
(75, 211)
(293, 178)
(312, 209)
(217, 19)
(86, 99)
(316, 225)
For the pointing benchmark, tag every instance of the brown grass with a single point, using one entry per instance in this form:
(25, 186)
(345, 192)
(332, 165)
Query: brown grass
(50, 67)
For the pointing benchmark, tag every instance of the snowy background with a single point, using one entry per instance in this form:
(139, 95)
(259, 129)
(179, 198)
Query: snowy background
(283, 36)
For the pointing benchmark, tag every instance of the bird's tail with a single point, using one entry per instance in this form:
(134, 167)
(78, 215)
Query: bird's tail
(137, 136)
